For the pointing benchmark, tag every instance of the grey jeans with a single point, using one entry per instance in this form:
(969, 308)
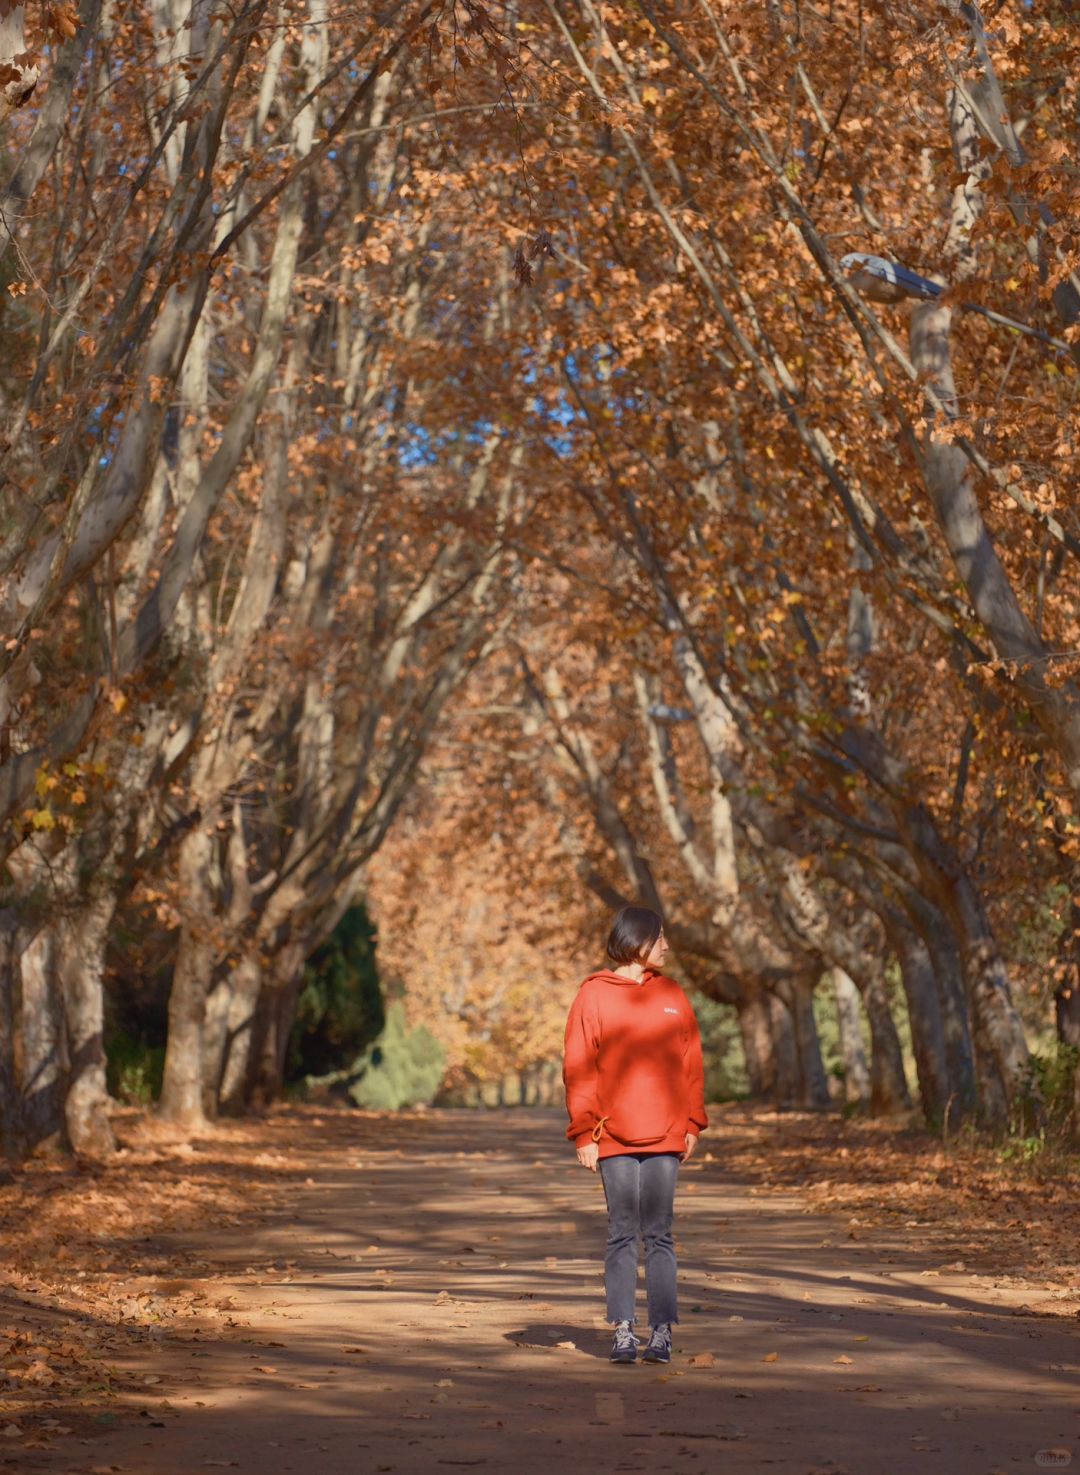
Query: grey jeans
(640, 1192)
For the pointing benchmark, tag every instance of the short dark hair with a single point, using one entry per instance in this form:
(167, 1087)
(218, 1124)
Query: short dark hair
(633, 933)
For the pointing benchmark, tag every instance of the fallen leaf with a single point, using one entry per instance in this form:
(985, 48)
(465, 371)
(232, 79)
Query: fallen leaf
(703, 1359)
(842, 1358)
(771, 1357)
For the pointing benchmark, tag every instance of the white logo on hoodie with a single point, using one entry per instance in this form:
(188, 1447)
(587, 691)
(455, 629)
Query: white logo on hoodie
(670, 1011)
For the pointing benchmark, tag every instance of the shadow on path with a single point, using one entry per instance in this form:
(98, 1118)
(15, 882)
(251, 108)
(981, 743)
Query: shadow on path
(432, 1297)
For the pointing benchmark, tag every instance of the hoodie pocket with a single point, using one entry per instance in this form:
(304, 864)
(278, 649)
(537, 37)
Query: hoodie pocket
(628, 1132)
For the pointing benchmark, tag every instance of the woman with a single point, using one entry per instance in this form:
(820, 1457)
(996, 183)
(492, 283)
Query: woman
(635, 1093)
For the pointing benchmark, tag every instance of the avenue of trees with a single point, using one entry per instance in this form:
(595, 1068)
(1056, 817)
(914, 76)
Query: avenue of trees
(446, 457)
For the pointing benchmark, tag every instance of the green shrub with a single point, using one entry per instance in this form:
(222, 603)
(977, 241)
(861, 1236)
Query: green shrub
(722, 1049)
(1043, 1113)
(403, 1067)
(340, 1008)
(134, 1070)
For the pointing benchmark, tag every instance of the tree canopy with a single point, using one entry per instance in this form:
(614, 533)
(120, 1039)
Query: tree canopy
(506, 459)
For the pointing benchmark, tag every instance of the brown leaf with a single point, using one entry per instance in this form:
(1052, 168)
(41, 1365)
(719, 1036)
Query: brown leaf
(771, 1357)
(703, 1359)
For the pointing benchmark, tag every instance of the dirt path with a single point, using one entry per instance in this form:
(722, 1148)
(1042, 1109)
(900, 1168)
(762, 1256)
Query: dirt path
(412, 1308)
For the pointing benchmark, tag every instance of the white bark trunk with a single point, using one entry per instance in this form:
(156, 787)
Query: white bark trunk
(52, 116)
(182, 1086)
(852, 1049)
(80, 966)
(10, 1120)
(786, 1084)
(937, 935)
(246, 986)
(19, 71)
(755, 1030)
(924, 1013)
(41, 1032)
(888, 1082)
(813, 1087)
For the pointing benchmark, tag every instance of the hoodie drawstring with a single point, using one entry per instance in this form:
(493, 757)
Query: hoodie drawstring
(598, 1129)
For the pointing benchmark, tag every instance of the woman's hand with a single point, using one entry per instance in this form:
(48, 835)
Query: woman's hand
(589, 1155)
(691, 1143)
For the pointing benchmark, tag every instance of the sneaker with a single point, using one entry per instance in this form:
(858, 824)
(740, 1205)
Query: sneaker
(659, 1348)
(625, 1346)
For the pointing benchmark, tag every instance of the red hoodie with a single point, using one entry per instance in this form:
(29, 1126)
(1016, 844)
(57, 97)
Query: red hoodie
(632, 1065)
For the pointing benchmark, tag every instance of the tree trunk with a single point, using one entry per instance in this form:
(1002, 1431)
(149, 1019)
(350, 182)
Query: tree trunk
(1067, 1018)
(272, 1025)
(273, 1022)
(785, 1084)
(246, 979)
(1002, 1055)
(848, 1011)
(993, 1089)
(10, 1120)
(215, 1039)
(755, 1029)
(1067, 1008)
(182, 1086)
(80, 966)
(985, 1047)
(41, 1033)
(19, 71)
(924, 1014)
(811, 1087)
(232, 1003)
(888, 1083)
(938, 937)
(1067, 1014)
(1002, 1058)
